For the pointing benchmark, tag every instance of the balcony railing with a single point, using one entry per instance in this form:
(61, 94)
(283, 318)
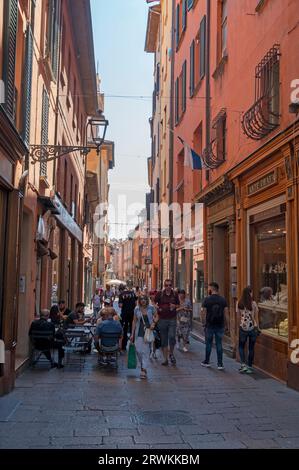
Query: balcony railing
(263, 116)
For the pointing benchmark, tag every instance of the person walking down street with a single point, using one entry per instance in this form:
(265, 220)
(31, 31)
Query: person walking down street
(167, 301)
(109, 294)
(127, 303)
(144, 317)
(249, 328)
(184, 318)
(96, 303)
(215, 312)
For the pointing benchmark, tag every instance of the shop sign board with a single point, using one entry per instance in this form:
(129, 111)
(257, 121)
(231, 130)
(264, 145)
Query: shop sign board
(67, 221)
(263, 183)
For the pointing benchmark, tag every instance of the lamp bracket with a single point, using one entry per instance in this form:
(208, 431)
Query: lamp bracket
(47, 153)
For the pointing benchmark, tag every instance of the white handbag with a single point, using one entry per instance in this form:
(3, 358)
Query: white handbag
(149, 336)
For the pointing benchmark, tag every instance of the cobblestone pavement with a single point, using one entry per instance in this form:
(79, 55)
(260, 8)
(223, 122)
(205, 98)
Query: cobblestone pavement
(184, 407)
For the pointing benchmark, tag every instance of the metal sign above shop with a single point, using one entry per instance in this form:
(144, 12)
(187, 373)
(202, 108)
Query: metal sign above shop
(265, 182)
(67, 221)
(148, 261)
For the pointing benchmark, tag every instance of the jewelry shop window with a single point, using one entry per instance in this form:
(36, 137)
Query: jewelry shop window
(269, 270)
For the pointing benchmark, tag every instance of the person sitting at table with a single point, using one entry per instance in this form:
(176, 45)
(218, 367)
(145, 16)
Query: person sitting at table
(108, 331)
(42, 325)
(77, 317)
(103, 315)
(54, 315)
(63, 310)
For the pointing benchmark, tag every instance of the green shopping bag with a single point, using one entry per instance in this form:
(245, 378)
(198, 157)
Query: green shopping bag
(132, 358)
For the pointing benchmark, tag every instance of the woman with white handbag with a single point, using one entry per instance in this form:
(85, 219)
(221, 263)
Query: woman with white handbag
(144, 322)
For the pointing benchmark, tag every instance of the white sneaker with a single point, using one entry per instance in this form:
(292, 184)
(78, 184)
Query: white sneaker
(185, 349)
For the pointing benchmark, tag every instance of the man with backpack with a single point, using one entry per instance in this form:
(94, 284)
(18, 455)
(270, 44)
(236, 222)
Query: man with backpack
(215, 312)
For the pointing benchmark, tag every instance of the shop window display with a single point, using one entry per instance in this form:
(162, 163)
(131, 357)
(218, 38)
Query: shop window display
(269, 274)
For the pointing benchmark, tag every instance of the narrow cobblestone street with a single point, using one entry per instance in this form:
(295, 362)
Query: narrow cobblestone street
(89, 408)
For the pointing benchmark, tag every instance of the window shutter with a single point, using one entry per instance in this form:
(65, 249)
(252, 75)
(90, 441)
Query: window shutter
(45, 129)
(192, 80)
(190, 4)
(55, 44)
(177, 101)
(202, 59)
(10, 43)
(184, 15)
(177, 33)
(184, 86)
(27, 81)
(158, 79)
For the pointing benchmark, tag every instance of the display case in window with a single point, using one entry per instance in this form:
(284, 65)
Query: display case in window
(269, 274)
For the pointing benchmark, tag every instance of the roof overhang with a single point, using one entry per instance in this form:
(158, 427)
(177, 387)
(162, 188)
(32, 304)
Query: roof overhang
(153, 21)
(80, 13)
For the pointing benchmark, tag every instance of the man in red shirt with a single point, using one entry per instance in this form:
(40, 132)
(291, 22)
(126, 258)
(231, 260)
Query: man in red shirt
(167, 301)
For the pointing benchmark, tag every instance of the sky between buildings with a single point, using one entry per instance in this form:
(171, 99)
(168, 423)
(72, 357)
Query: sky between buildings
(127, 75)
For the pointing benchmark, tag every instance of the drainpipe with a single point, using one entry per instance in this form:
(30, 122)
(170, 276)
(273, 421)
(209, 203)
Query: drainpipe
(208, 84)
(171, 142)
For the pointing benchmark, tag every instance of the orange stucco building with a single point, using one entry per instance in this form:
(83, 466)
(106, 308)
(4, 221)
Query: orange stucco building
(235, 66)
(48, 68)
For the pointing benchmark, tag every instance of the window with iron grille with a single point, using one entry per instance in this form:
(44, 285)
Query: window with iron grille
(44, 129)
(264, 115)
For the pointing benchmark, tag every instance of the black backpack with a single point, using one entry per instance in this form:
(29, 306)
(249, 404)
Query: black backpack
(216, 315)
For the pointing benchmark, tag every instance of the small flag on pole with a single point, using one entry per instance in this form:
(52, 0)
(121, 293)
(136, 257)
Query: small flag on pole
(191, 158)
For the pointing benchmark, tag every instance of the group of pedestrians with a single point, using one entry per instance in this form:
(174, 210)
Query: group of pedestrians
(159, 319)
(216, 320)
(170, 313)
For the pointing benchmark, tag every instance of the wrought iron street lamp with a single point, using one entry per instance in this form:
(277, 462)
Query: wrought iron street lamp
(96, 131)
(95, 136)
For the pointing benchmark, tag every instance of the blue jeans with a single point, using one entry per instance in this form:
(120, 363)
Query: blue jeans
(210, 331)
(243, 335)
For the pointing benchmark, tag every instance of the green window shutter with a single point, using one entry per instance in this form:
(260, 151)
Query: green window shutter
(184, 15)
(27, 85)
(55, 39)
(192, 78)
(202, 58)
(177, 101)
(9, 64)
(177, 32)
(53, 34)
(184, 86)
(45, 128)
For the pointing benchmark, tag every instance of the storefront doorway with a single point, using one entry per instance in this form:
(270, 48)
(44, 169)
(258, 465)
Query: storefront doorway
(3, 218)
(25, 315)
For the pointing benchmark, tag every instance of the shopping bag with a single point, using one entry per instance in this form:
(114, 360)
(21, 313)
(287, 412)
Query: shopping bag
(132, 358)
